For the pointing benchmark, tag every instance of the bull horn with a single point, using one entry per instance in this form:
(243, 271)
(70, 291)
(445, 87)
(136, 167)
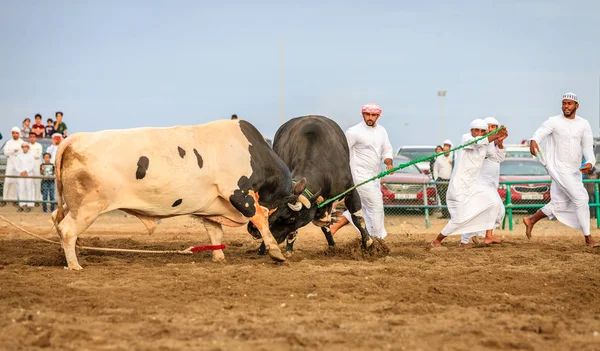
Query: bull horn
(295, 207)
(304, 201)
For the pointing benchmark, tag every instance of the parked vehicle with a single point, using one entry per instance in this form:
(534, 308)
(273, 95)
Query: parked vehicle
(405, 186)
(518, 151)
(524, 169)
(416, 152)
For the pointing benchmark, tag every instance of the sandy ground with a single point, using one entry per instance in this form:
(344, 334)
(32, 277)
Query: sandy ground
(541, 294)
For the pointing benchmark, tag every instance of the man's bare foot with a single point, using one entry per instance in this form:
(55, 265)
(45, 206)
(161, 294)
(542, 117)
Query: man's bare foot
(492, 240)
(528, 226)
(475, 240)
(591, 242)
(436, 243)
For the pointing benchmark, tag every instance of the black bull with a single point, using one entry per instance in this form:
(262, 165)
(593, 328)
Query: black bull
(316, 151)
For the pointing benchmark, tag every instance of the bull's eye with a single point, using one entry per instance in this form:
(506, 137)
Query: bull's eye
(291, 220)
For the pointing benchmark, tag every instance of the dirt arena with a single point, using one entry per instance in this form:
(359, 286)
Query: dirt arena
(542, 294)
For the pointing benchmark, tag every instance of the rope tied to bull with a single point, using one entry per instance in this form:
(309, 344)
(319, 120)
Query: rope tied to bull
(404, 165)
(190, 250)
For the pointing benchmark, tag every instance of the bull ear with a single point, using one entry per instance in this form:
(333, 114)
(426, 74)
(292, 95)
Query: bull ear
(300, 186)
(272, 210)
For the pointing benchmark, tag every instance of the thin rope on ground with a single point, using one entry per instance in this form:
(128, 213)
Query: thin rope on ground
(188, 251)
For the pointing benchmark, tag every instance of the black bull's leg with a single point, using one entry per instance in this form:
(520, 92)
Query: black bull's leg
(355, 208)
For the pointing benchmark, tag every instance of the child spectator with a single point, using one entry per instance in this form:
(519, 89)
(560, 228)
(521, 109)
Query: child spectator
(47, 170)
(38, 127)
(49, 128)
(26, 129)
(59, 125)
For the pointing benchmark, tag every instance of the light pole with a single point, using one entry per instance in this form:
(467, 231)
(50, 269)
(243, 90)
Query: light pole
(281, 86)
(441, 94)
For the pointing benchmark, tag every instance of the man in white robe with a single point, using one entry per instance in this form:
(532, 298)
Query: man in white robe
(489, 177)
(35, 149)
(12, 149)
(369, 146)
(472, 206)
(25, 186)
(566, 136)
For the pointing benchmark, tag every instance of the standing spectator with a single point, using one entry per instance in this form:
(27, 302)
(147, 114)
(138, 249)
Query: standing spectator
(25, 186)
(438, 149)
(38, 127)
(47, 170)
(12, 149)
(59, 125)
(26, 128)
(35, 149)
(442, 169)
(234, 116)
(56, 139)
(49, 130)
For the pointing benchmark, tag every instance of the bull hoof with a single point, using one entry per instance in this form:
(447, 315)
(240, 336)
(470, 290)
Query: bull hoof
(289, 254)
(262, 250)
(218, 257)
(369, 243)
(276, 255)
(74, 267)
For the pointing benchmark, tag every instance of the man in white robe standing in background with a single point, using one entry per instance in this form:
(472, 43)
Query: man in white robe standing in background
(25, 186)
(11, 150)
(35, 149)
(489, 177)
(566, 136)
(472, 207)
(369, 146)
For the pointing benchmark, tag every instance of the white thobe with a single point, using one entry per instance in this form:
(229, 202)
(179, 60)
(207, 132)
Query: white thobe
(489, 177)
(25, 186)
(369, 147)
(566, 139)
(36, 150)
(442, 168)
(471, 205)
(10, 184)
(52, 151)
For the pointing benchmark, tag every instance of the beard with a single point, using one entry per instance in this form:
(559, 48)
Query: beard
(370, 123)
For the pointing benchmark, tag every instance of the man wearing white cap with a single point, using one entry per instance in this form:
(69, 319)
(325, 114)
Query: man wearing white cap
(12, 149)
(489, 177)
(566, 136)
(472, 207)
(369, 146)
(25, 186)
(442, 169)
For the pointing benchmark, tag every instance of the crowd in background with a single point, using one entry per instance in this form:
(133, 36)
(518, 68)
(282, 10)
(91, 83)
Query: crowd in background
(26, 158)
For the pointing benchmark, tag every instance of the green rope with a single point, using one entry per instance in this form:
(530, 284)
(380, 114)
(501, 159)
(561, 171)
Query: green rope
(426, 158)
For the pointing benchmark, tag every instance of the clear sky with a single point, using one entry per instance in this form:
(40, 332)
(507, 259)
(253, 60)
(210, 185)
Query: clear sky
(121, 64)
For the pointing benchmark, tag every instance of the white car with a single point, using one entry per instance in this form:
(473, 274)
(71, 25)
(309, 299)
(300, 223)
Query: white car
(518, 151)
(415, 152)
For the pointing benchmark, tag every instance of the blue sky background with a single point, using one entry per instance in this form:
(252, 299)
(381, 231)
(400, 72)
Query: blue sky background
(121, 64)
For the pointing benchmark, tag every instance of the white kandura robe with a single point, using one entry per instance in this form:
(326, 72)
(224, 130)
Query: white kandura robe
(369, 147)
(566, 139)
(472, 206)
(489, 177)
(36, 150)
(10, 184)
(25, 186)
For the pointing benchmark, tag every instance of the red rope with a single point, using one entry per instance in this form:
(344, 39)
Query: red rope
(207, 247)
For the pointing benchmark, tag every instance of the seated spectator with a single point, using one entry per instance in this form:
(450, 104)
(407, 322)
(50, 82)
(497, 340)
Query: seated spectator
(60, 126)
(38, 127)
(26, 128)
(49, 130)
(47, 170)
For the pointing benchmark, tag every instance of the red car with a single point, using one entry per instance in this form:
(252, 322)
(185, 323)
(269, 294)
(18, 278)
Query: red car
(524, 169)
(405, 186)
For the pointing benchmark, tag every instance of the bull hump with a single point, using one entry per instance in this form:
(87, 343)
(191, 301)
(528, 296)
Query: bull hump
(142, 166)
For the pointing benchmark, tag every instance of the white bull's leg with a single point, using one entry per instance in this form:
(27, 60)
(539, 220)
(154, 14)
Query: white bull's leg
(215, 232)
(261, 222)
(70, 228)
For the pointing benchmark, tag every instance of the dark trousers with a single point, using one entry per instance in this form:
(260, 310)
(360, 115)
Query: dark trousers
(47, 194)
(442, 189)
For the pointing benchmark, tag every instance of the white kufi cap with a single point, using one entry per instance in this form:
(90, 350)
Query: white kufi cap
(492, 120)
(448, 141)
(478, 124)
(570, 96)
(15, 129)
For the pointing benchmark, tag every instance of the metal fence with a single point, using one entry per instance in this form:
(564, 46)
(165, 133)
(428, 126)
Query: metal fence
(12, 197)
(425, 199)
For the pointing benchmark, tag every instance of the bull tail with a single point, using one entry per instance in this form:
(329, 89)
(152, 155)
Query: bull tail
(60, 214)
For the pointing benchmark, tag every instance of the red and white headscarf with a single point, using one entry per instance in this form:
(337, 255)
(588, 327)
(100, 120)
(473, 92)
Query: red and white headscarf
(371, 107)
